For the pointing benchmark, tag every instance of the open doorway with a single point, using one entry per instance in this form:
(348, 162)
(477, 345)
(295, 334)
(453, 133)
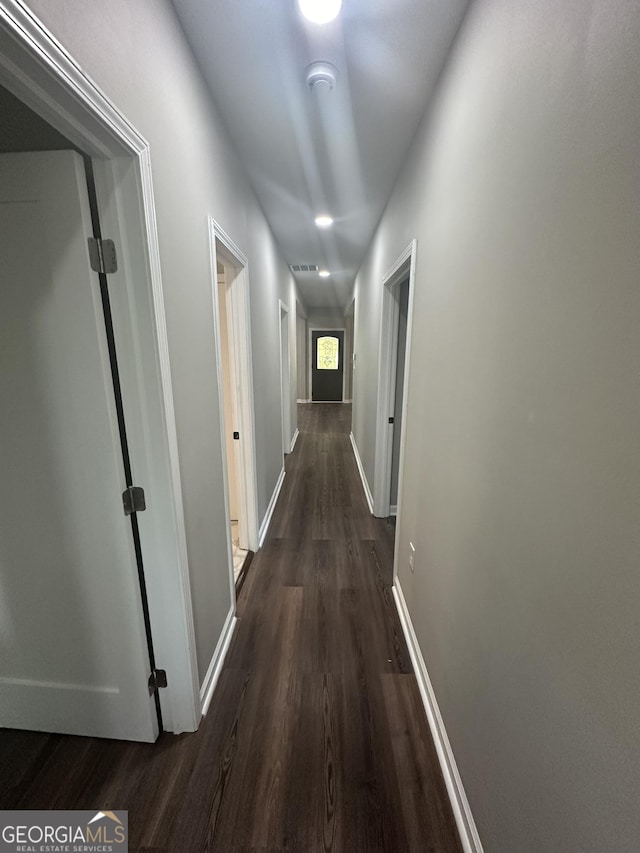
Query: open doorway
(69, 508)
(233, 346)
(65, 462)
(395, 345)
(285, 379)
(400, 295)
(237, 520)
(326, 364)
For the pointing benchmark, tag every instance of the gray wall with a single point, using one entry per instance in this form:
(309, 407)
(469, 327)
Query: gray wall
(522, 485)
(324, 318)
(137, 54)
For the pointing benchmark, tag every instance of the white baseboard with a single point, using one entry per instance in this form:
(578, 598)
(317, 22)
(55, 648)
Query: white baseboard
(363, 476)
(393, 510)
(266, 521)
(461, 810)
(304, 401)
(217, 661)
(293, 440)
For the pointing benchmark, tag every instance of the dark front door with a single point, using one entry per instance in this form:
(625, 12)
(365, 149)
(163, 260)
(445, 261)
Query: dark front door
(327, 365)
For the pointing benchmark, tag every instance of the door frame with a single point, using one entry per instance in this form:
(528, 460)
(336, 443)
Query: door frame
(351, 307)
(39, 71)
(301, 353)
(387, 366)
(285, 379)
(223, 248)
(310, 332)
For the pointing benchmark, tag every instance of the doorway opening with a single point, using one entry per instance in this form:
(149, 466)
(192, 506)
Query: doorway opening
(37, 71)
(400, 295)
(226, 274)
(395, 346)
(285, 379)
(233, 349)
(326, 364)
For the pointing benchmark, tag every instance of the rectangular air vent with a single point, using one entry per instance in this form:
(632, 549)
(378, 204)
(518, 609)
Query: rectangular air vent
(303, 267)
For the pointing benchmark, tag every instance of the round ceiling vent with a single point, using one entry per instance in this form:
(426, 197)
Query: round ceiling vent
(321, 77)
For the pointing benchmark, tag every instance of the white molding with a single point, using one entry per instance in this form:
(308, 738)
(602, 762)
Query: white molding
(393, 510)
(459, 803)
(303, 401)
(294, 439)
(217, 661)
(234, 250)
(238, 301)
(39, 71)
(363, 476)
(264, 527)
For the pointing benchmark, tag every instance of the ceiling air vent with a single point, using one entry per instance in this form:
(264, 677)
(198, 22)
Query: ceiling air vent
(303, 267)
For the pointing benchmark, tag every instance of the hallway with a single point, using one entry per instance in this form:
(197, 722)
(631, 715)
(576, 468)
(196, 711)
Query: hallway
(316, 738)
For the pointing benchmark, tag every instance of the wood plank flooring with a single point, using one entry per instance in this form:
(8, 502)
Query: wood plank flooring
(316, 738)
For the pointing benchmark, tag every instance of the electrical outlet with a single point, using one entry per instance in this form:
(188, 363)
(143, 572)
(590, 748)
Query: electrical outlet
(412, 557)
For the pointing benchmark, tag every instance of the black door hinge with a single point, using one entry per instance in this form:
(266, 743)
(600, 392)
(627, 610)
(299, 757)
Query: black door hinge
(133, 500)
(390, 420)
(157, 679)
(102, 255)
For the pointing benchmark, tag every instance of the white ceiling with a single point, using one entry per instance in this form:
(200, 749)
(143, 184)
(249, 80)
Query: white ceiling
(309, 152)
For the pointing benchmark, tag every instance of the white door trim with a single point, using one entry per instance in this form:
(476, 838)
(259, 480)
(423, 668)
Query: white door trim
(310, 332)
(350, 304)
(285, 386)
(240, 321)
(38, 70)
(388, 354)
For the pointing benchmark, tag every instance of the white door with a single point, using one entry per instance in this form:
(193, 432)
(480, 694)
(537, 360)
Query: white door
(73, 655)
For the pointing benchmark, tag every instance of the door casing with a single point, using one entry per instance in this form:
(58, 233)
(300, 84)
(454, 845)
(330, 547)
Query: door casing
(39, 71)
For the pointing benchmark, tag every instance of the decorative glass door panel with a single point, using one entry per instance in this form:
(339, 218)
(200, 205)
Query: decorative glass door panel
(328, 353)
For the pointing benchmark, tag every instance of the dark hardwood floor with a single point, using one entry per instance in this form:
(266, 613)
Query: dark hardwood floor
(316, 739)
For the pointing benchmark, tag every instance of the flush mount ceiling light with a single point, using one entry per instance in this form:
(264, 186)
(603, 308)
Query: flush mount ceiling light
(320, 11)
(324, 273)
(324, 221)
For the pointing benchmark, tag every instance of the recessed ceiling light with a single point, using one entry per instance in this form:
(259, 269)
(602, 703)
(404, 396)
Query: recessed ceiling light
(320, 11)
(324, 221)
(324, 273)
